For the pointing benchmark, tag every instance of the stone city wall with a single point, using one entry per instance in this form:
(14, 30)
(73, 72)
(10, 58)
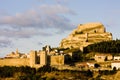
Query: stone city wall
(57, 60)
(15, 62)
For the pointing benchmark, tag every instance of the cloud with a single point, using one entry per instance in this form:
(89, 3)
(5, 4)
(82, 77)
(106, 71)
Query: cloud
(61, 1)
(44, 17)
(4, 42)
(45, 20)
(3, 13)
(55, 9)
(40, 43)
(21, 33)
(57, 1)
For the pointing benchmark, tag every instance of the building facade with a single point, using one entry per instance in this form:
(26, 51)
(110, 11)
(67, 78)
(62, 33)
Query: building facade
(103, 57)
(115, 64)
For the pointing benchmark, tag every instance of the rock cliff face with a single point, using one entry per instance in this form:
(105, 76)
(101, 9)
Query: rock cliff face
(86, 34)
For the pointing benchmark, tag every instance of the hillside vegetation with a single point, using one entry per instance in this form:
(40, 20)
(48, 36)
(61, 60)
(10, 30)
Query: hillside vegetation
(112, 46)
(44, 73)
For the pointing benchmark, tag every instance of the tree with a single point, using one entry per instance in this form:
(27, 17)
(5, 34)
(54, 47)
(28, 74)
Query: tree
(96, 65)
(89, 73)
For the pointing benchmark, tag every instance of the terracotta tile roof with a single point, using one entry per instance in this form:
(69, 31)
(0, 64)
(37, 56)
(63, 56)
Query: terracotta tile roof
(102, 54)
(115, 62)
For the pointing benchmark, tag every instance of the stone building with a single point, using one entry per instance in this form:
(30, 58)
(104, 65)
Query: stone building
(99, 57)
(17, 54)
(86, 34)
(115, 64)
(116, 58)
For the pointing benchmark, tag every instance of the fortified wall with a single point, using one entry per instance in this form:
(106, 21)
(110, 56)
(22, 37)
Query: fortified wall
(86, 34)
(59, 60)
(15, 62)
(34, 59)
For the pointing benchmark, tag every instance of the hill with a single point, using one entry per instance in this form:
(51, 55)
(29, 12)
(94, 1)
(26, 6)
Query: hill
(86, 34)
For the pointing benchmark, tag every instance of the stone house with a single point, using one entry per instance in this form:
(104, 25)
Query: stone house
(109, 57)
(82, 65)
(90, 64)
(116, 58)
(103, 57)
(85, 65)
(115, 64)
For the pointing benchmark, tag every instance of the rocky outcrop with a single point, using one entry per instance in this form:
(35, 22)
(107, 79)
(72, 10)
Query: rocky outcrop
(86, 34)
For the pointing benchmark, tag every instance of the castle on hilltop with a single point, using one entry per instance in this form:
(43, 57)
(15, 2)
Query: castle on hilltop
(86, 34)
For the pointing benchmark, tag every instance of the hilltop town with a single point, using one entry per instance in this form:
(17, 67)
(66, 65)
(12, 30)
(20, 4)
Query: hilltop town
(70, 54)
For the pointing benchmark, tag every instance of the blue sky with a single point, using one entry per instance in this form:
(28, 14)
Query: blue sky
(32, 24)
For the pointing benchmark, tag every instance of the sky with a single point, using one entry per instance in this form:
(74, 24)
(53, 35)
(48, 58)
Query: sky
(31, 24)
